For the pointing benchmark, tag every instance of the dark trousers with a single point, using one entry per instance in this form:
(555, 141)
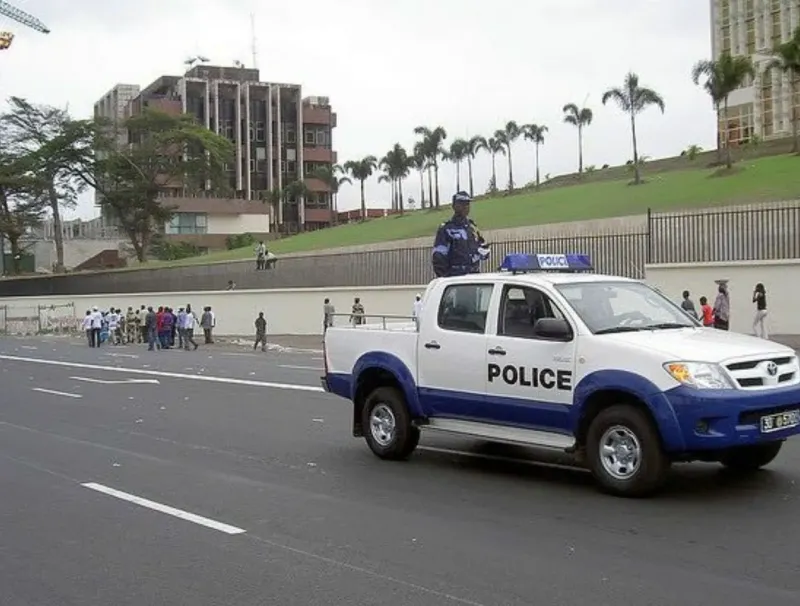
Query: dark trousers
(261, 337)
(260, 263)
(188, 338)
(720, 324)
(207, 335)
(89, 337)
(95, 338)
(152, 339)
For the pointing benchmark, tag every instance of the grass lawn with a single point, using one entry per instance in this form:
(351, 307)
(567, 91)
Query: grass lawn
(762, 180)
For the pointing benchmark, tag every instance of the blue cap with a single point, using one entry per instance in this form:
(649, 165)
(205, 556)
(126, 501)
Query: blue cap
(461, 197)
(522, 262)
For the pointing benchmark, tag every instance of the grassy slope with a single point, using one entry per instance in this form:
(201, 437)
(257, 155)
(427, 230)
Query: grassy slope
(766, 179)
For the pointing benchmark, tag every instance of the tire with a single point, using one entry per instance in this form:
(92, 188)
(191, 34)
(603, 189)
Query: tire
(387, 425)
(629, 427)
(751, 458)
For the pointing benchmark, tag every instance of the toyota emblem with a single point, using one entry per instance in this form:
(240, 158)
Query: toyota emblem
(772, 369)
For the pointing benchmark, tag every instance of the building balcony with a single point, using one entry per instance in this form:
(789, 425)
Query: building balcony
(319, 154)
(317, 185)
(215, 206)
(319, 115)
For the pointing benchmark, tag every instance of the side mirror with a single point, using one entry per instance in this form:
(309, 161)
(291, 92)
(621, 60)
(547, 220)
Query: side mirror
(552, 329)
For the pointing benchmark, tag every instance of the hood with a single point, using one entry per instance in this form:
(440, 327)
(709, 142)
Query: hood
(700, 344)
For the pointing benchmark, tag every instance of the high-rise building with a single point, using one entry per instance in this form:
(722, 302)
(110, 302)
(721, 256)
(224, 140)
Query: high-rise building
(763, 107)
(281, 138)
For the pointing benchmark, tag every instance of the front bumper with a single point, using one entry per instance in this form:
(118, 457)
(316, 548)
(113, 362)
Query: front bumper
(707, 419)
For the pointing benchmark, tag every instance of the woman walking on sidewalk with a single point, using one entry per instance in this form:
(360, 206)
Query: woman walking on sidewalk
(759, 321)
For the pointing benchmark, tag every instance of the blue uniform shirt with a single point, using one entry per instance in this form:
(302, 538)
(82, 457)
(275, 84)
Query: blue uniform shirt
(457, 249)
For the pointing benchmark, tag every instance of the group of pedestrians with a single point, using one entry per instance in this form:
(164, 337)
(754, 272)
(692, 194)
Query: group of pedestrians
(719, 315)
(159, 328)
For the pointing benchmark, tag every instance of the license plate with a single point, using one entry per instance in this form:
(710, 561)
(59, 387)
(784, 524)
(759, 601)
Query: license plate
(783, 420)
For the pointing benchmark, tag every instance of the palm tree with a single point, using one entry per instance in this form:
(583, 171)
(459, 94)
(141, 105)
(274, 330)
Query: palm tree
(274, 198)
(432, 144)
(457, 154)
(334, 177)
(713, 86)
(386, 178)
(361, 170)
(724, 76)
(786, 59)
(396, 164)
(419, 162)
(634, 99)
(494, 147)
(579, 118)
(294, 192)
(535, 134)
(507, 135)
(473, 147)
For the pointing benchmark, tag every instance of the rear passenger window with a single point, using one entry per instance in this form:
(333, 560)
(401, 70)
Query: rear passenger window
(464, 307)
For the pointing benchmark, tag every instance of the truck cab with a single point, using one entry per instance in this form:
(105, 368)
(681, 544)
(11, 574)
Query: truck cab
(546, 354)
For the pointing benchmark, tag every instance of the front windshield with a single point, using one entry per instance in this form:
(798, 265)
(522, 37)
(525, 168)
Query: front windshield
(608, 307)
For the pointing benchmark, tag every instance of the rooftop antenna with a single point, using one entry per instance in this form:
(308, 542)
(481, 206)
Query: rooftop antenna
(253, 48)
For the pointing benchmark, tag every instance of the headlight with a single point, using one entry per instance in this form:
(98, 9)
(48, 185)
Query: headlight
(699, 375)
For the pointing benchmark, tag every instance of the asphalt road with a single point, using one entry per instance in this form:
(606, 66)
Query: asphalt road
(182, 488)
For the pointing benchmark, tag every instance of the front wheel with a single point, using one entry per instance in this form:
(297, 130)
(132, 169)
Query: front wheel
(624, 453)
(751, 458)
(387, 425)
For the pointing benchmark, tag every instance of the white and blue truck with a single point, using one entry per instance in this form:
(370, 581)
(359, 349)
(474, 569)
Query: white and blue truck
(544, 353)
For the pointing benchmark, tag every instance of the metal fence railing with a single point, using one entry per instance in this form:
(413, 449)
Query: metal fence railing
(754, 234)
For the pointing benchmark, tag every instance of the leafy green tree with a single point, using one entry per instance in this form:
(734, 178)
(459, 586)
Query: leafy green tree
(45, 133)
(494, 147)
(166, 151)
(786, 59)
(580, 118)
(535, 134)
(273, 198)
(23, 201)
(361, 170)
(633, 99)
(722, 77)
(293, 193)
(432, 146)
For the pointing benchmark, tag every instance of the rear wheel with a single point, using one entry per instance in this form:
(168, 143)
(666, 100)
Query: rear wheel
(387, 424)
(624, 453)
(751, 458)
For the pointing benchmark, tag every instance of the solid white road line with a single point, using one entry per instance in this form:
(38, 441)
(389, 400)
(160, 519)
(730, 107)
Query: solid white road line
(317, 368)
(178, 513)
(170, 375)
(57, 393)
(125, 382)
(122, 355)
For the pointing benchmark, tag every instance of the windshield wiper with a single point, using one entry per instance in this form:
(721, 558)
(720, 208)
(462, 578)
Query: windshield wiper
(608, 331)
(665, 325)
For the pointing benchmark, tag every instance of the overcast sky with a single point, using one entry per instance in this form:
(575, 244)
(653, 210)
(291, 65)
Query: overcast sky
(390, 65)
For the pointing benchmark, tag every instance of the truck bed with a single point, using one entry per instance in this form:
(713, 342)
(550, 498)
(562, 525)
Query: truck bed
(351, 342)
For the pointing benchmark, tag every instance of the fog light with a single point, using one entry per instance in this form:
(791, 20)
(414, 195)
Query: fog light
(701, 426)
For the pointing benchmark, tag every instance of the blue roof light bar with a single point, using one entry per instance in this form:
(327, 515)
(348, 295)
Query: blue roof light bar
(519, 263)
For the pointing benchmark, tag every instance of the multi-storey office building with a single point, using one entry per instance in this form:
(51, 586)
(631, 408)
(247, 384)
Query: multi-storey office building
(279, 138)
(763, 107)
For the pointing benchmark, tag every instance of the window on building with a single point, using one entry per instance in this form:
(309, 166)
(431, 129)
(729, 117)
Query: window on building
(252, 166)
(187, 224)
(261, 132)
(283, 167)
(322, 138)
(291, 167)
(291, 136)
(309, 136)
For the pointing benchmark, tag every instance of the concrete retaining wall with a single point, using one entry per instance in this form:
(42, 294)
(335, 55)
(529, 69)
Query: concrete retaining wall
(299, 311)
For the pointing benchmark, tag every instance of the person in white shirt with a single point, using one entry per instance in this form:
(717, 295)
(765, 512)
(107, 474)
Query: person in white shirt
(97, 326)
(189, 321)
(113, 327)
(86, 326)
(417, 311)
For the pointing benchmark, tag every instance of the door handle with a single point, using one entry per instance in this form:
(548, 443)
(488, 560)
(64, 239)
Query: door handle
(497, 351)
(432, 345)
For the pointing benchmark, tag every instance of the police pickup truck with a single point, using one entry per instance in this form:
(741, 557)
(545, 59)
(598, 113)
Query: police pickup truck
(546, 354)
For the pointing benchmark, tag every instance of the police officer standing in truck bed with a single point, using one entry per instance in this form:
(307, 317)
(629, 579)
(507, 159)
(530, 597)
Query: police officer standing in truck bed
(459, 247)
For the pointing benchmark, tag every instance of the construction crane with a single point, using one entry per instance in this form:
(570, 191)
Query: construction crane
(20, 16)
